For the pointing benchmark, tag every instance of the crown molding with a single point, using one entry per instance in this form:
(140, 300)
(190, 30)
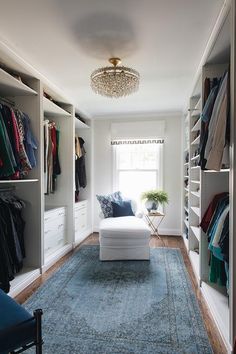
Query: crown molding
(138, 115)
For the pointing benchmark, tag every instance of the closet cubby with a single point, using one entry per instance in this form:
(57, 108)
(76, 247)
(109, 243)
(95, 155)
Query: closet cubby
(83, 206)
(27, 99)
(58, 229)
(186, 180)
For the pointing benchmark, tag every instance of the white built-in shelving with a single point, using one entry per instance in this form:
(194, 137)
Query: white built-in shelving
(83, 227)
(25, 91)
(195, 158)
(196, 141)
(26, 97)
(52, 110)
(195, 181)
(196, 126)
(11, 87)
(80, 125)
(195, 261)
(196, 232)
(203, 185)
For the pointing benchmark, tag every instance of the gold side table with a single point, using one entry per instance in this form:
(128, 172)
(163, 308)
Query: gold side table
(150, 218)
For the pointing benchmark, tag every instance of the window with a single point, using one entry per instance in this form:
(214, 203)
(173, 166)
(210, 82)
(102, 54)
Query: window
(137, 168)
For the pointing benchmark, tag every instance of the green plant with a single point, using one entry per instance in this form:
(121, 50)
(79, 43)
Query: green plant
(155, 195)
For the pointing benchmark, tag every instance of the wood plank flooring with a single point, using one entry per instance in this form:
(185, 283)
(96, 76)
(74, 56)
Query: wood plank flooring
(166, 241)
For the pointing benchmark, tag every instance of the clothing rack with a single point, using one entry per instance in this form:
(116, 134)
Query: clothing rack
(7, 101)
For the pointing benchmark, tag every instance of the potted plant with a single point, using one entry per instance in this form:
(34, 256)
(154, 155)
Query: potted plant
(153, 198)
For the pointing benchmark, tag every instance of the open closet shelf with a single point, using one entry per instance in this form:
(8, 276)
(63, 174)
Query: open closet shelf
(196, 113)
(53, 110)
(196, 141)
(196, 126)
(195, 181)
(198, 104)
(196, 194)
(80, 125)
(195, 158)
(194, 258)
(185, 241)
(186, 223)
(9, 86)
(213, 171)
(19, 181)
(196, 231)
(219, 305)
(196, 210)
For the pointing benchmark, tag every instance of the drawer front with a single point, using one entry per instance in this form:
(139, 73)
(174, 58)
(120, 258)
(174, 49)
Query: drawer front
(81, 220)
(81, 205)
(54, 230)
(53, 241)
(54, 221)
(54, 214)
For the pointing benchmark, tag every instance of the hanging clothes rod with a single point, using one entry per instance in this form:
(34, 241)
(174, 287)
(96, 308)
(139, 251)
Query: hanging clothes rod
(7, 101)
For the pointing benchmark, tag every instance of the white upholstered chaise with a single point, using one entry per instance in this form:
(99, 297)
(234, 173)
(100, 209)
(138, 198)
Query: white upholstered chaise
(124, 238)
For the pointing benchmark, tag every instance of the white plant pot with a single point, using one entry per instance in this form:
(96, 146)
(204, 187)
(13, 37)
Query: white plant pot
(151, 205)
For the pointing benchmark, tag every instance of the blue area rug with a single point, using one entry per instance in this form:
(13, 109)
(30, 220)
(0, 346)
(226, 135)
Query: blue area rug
(123, 307)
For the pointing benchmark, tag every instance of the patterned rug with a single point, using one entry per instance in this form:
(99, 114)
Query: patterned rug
(123, 307)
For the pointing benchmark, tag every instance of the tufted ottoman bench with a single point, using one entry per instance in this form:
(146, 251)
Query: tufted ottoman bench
(124, 238)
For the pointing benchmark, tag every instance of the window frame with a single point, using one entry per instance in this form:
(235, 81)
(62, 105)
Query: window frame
(115, 170)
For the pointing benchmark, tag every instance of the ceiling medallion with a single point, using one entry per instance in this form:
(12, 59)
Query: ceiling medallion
(115, 81)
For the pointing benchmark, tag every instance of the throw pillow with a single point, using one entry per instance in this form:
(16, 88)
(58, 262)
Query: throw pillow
(105, 203)
(122, 208)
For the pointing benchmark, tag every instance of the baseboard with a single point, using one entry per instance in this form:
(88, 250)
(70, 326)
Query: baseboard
(170, 232)
(82, 237)
(166, 232)
(96, 229)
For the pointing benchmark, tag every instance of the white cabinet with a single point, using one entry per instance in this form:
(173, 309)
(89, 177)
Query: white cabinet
(54, 230)
(81, 223)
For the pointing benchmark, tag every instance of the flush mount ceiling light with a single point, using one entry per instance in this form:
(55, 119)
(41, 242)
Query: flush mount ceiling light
(115, 81)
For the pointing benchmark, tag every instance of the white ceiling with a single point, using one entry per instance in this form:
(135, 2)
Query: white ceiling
(66, 40)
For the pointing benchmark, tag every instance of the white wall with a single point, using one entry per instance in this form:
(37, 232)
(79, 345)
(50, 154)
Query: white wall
(171, 225)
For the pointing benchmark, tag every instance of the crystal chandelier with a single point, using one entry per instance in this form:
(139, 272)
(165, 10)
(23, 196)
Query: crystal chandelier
(115, 81)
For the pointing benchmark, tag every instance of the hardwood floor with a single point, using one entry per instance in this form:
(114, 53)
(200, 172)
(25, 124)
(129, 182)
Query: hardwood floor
(166, 241)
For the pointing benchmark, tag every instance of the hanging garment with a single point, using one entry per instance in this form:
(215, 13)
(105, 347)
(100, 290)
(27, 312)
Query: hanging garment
(219, 228)
(205, 120)
(46, 145)
(210, 211)
(215, 224)
(80, 168)
(24, 160)
(12, 249)
(17, 151)
(29, 141)
(52, 167)
(217, 128)
(7, 160)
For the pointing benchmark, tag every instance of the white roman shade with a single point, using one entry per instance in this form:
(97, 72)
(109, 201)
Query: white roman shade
(147, 132)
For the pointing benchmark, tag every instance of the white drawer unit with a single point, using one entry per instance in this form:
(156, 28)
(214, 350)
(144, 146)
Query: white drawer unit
(54, 230)
(81, 223)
